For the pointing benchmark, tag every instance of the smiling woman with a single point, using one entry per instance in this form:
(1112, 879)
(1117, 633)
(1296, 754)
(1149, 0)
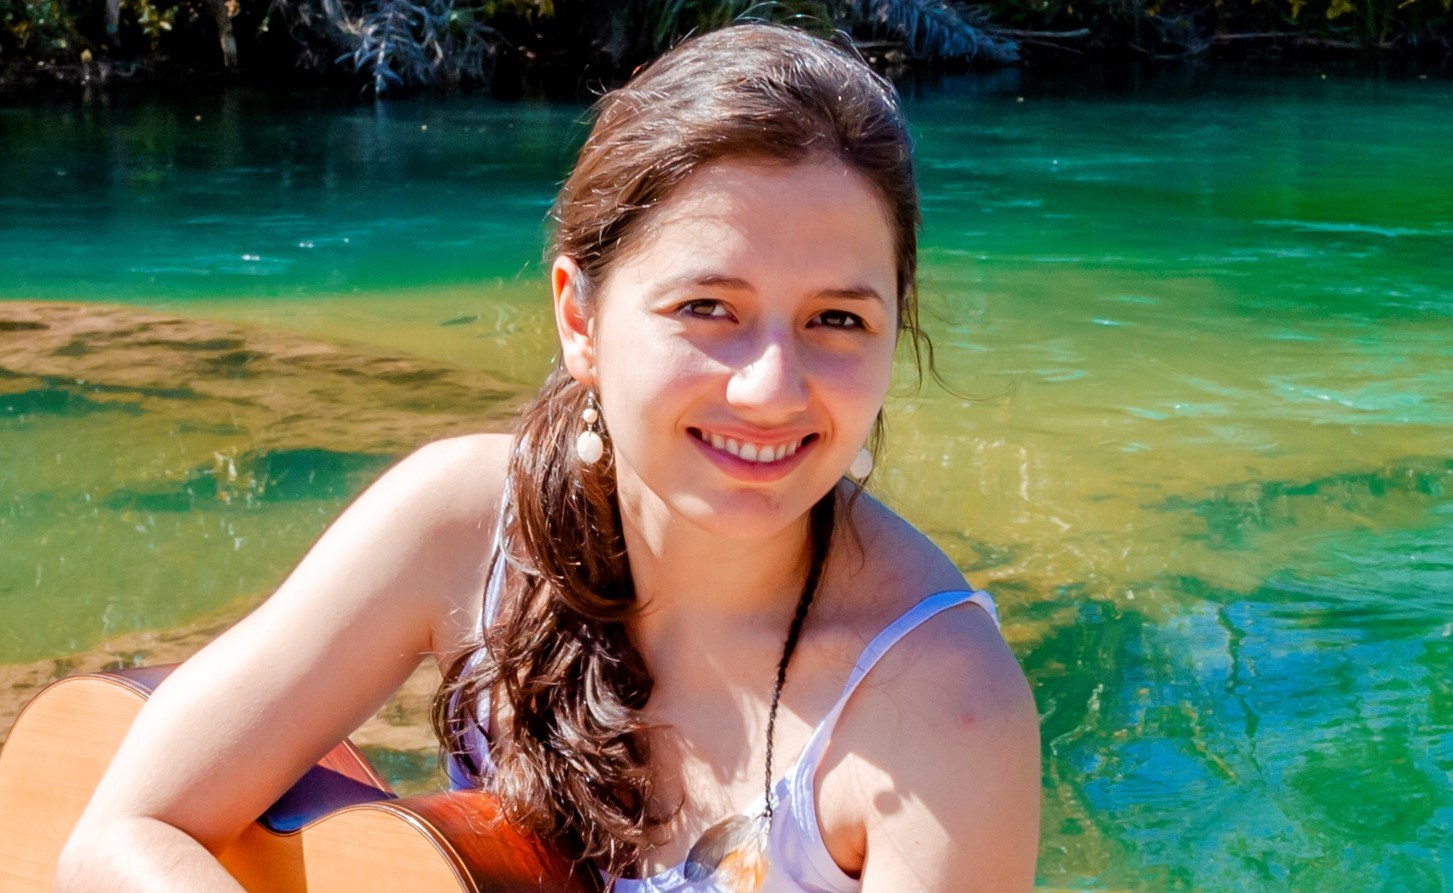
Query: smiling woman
(619, 590)
(750, 314)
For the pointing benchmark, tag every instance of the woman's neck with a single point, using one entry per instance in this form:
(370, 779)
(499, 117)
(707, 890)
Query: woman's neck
(691, 582)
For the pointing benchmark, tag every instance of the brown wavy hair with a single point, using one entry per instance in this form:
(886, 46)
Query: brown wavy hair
(571, 756)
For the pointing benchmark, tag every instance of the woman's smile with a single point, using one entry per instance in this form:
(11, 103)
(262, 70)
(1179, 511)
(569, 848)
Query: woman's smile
(751, 459)
(751, 450)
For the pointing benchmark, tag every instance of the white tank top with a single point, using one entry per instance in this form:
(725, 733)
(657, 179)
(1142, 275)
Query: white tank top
(798, 860)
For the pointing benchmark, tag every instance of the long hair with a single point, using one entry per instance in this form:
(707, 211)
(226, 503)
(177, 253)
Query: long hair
(571, 758)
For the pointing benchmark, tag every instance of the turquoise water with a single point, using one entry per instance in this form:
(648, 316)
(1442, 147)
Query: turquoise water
(1201, 445)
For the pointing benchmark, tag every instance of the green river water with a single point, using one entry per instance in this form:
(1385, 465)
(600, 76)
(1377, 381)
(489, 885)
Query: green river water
(1200, 327)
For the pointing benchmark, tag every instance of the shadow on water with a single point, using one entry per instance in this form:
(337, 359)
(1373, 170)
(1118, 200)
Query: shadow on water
(255, 478)
(16, 409)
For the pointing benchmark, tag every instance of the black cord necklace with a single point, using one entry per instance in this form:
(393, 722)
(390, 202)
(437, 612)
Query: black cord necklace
(794, 632)
(739, 843)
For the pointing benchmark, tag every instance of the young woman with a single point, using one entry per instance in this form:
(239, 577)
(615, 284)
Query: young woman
(679, 642)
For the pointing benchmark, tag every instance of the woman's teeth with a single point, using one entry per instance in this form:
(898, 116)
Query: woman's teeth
(750, 452)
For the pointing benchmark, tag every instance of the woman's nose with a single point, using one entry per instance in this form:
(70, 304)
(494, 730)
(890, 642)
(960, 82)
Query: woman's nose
(772, 382)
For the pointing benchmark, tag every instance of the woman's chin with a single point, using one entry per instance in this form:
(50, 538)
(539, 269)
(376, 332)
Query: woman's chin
(743, 516)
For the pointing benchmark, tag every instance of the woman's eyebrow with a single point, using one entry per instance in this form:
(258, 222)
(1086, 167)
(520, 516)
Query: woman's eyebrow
(700, 280)
(711, 280)
(853, 293)
(736, 283)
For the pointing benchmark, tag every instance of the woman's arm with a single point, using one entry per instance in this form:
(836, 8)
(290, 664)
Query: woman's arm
(949, 764)
(236, 725)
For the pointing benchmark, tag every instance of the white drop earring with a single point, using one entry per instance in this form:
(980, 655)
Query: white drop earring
(589, 445)
(862, 464)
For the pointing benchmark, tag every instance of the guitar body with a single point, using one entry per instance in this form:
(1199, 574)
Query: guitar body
(338, 829)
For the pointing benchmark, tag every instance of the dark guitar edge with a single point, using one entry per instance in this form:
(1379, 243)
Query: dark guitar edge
(469, 827)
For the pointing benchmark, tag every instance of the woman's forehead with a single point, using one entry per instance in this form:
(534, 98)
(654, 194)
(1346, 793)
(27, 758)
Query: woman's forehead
(734, 219)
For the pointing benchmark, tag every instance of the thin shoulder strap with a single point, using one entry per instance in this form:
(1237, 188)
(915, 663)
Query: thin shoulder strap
(495, 584)
(476, 737)
(494, 589)
(879, 646)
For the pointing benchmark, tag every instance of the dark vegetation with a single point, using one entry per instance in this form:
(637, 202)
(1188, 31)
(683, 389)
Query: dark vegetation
(572, 46)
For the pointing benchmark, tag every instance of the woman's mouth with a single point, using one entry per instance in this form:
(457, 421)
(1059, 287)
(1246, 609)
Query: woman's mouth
(762, 453)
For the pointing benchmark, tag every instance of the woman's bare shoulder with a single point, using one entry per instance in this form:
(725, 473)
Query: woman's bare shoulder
(457, 479)
(944, 728)
(900, 567)
(945, 751)
(957, 654)
(452, 490)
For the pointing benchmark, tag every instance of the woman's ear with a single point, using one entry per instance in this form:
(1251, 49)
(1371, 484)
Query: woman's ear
(576, 329)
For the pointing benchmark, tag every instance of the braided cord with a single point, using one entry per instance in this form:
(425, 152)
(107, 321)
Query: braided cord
(821, 523)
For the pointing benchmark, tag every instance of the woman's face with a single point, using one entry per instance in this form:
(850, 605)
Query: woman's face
(743, 346)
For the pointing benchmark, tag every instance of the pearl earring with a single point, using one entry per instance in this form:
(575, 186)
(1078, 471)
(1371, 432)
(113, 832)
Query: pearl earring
(862, 465)
(588, 445)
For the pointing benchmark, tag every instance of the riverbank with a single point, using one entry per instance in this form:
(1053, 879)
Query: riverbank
(569, 51)
(28, 82)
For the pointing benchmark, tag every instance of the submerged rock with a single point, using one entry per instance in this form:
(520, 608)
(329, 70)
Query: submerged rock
(277, 390)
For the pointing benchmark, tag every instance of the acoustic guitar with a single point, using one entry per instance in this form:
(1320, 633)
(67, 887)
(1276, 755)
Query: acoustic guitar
(339, 828)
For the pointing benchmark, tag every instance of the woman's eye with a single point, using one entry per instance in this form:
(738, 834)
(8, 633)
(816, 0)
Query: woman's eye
(840, 319)
(705, 309)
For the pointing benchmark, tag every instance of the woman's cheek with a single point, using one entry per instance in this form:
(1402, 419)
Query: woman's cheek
(661, 383)
(858, 381)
